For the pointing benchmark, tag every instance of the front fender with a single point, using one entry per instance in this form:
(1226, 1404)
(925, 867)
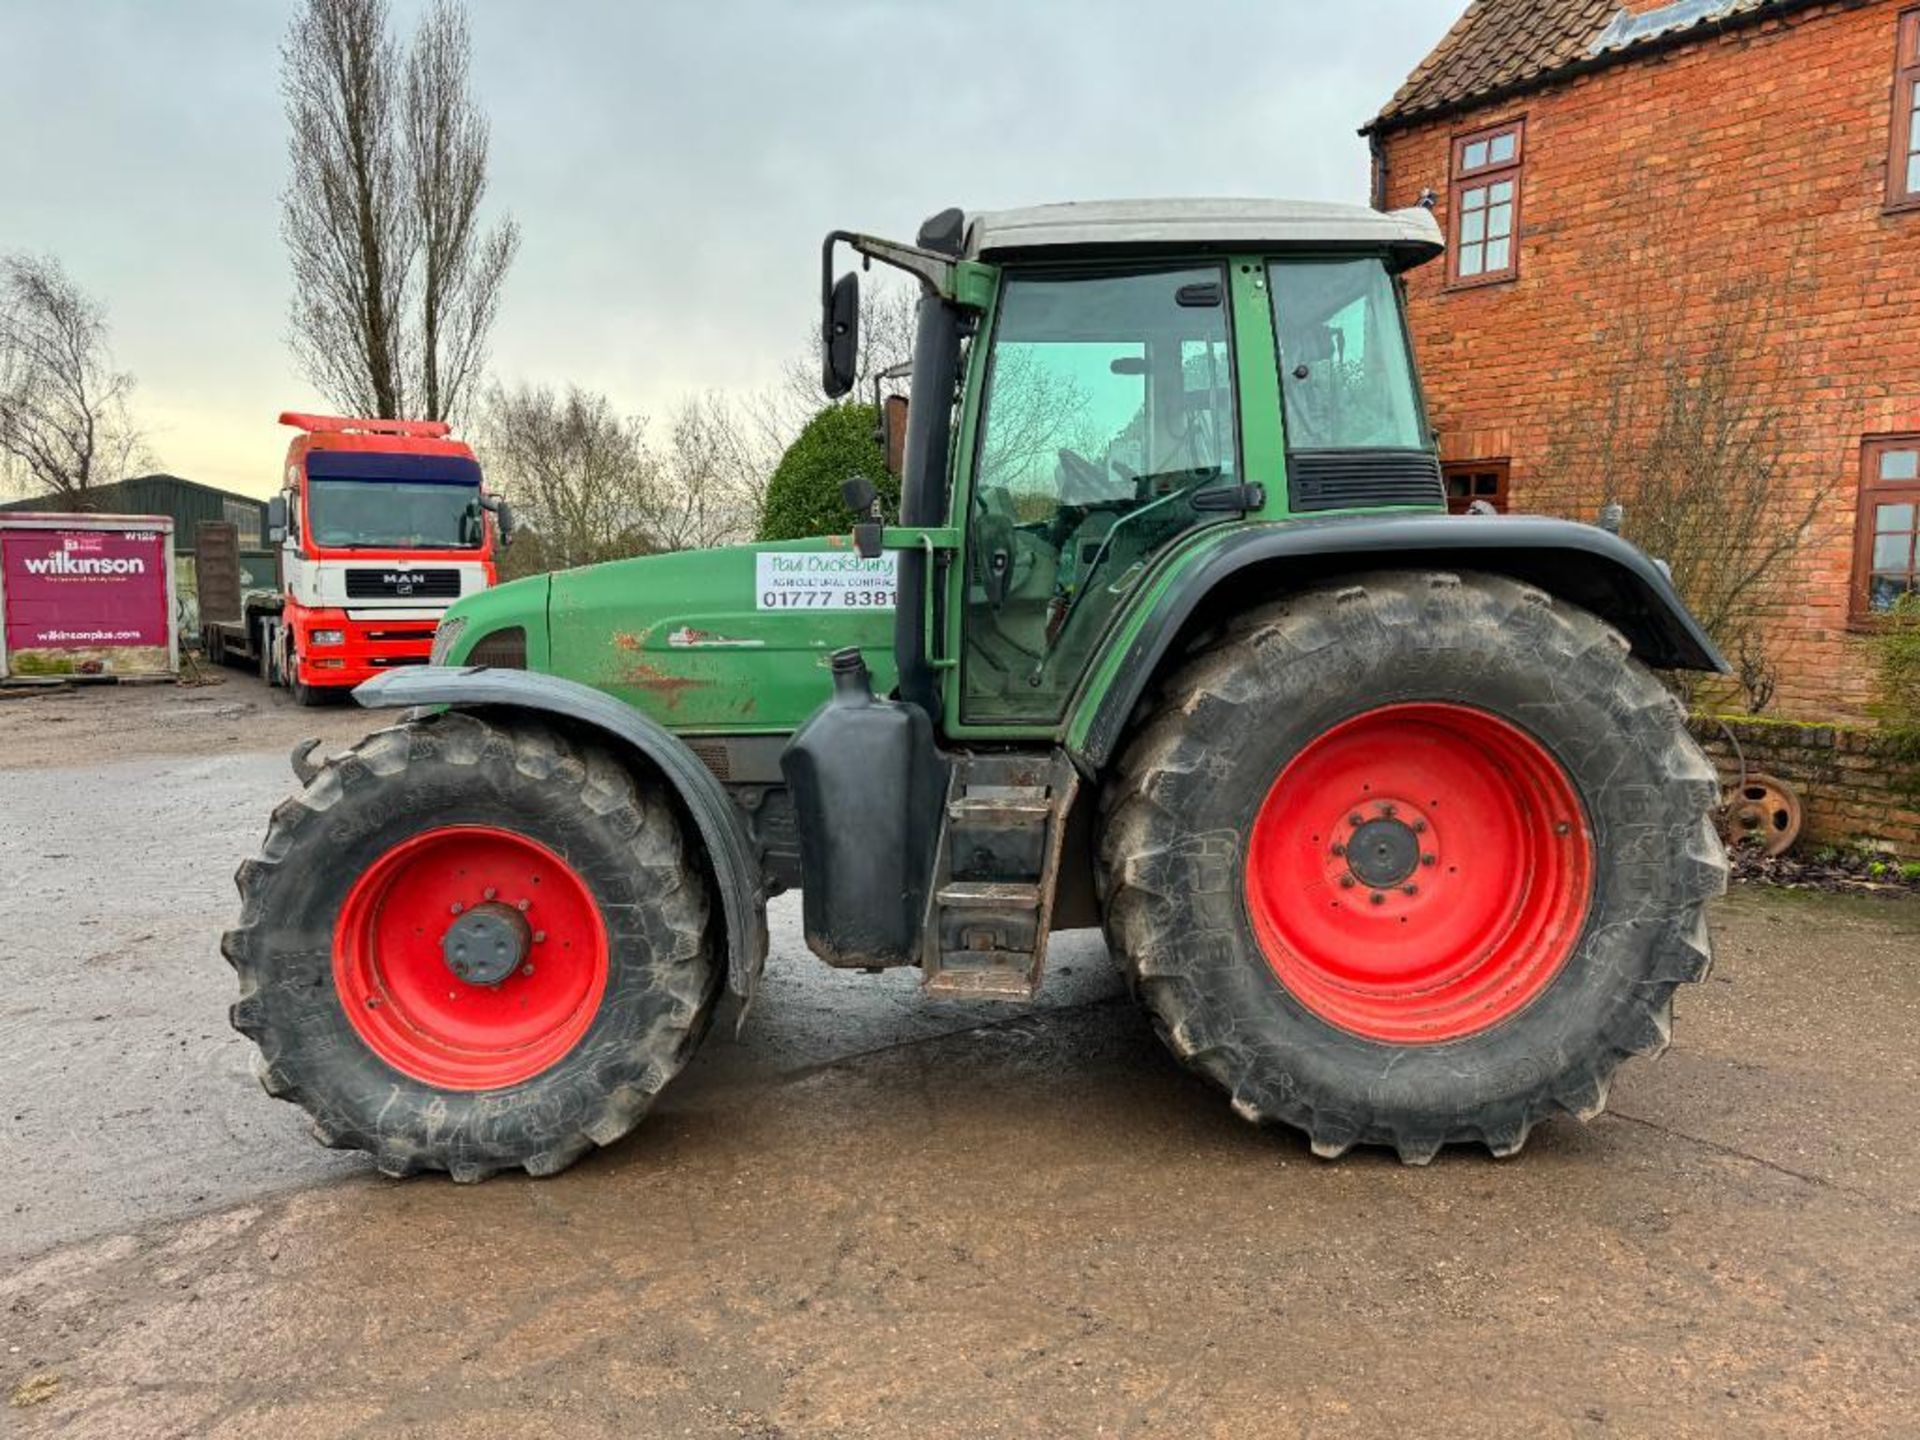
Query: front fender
(1580, 564)
(731, 854)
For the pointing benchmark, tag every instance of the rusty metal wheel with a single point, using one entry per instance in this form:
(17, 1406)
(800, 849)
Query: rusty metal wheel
(1765, 812)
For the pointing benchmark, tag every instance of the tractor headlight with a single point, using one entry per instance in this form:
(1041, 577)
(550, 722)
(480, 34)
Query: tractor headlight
(445, 636)
(329, 637)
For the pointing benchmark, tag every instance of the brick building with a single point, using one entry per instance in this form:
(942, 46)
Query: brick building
(1685, 241)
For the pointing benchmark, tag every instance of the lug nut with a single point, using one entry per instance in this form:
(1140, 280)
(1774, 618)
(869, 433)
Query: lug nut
(458, 907)
(539, 937)
(1356, 819)
(1419, 827)
(526, 969)
(489, 893)
(522, 906)
(1378, 898)
(1347, 882)
(1412, 890)
(1428, 860)
(1339, 849)
(1388, 810)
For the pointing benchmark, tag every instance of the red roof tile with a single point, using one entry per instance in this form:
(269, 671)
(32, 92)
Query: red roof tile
(1501, 47)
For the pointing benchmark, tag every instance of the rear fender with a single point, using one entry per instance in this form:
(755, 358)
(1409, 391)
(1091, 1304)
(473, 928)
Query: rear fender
(730, 854)
(1580, 564)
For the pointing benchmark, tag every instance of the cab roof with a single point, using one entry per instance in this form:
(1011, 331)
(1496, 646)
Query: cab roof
(1409, 237)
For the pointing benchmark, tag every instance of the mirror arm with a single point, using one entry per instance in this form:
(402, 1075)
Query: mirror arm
(934, 271)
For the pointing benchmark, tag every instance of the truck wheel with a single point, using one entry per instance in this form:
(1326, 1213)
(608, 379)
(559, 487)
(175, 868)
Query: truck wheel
(468, 946)
(309, 696)
(1415, 860)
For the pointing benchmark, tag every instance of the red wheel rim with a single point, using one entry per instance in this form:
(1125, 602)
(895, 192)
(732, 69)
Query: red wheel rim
(1419, 873)
(393, 971)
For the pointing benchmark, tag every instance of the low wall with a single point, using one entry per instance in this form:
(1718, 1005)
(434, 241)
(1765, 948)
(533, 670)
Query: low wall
(1858, 786)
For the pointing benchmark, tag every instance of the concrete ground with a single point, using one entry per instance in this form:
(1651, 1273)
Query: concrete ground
(873, 1215)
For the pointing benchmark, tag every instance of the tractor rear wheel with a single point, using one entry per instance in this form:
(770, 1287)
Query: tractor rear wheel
(467, 946)
(1414, 860)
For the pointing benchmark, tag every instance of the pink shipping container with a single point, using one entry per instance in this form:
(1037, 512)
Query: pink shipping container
(86, 595)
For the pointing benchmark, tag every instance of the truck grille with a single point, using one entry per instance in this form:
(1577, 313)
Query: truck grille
(1358, 479)
(406, 582)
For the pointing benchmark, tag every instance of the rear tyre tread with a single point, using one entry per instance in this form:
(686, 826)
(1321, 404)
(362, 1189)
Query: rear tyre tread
(1171, 739)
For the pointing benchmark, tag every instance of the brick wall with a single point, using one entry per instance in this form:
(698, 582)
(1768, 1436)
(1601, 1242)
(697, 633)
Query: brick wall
(1759, 155)
(1858, 786)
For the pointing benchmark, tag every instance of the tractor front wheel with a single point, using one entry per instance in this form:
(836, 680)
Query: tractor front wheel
(468, 946)
(1415, 860)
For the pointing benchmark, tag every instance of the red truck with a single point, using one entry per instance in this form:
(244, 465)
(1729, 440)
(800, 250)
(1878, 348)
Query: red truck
(379, 526)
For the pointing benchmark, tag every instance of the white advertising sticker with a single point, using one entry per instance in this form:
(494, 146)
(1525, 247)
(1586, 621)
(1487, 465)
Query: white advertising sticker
(824, 580)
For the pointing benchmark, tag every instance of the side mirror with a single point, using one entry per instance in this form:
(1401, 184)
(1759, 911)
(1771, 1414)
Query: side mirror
(869, 529)
(840, 336)
(893, 433)
(276, 519)
(502, 511)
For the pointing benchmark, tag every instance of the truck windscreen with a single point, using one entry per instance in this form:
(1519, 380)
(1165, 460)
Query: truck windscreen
(369, 501)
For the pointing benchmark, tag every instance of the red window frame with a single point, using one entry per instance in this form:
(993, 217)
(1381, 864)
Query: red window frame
(1471, 480)
(1884, 488)
(1903, 157)
(1483, 165)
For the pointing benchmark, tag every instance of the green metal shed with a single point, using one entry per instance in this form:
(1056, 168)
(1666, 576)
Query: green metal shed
(188, 502)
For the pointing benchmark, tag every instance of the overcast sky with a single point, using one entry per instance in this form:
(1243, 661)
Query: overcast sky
(672, 165)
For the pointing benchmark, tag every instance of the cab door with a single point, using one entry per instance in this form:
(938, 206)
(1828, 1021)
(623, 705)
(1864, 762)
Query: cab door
(1107, 430)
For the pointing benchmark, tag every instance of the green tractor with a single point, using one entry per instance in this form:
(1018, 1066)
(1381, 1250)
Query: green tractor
(1381, 809)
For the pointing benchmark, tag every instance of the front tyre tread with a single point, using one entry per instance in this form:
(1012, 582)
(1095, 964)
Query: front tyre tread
(280, 950)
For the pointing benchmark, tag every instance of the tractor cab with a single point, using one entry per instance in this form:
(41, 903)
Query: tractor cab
(1132, 375)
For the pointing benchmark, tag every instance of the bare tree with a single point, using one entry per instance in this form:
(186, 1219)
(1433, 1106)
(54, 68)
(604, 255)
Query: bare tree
(461, 268)
(577, 472)
(1690, 438)
(396, 284)
(712, 476)
(65, 423)
(349, 233)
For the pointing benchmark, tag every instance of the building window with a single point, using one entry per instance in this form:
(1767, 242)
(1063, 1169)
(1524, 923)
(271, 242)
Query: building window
(1471, 480)
(1486, 205)
(1903, 174)
(1886, 563)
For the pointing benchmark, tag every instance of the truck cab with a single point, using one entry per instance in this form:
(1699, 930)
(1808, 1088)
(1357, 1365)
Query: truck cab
(380, 525)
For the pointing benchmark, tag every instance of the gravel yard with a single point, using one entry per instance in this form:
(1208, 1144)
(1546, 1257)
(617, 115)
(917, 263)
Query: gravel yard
(869, 1214)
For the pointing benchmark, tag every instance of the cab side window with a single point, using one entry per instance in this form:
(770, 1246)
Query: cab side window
(1347, 369)
(1109, 406)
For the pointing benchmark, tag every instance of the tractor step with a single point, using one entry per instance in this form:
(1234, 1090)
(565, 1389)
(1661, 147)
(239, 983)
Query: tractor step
(1002, 982)
(990, 895)
(992, 903)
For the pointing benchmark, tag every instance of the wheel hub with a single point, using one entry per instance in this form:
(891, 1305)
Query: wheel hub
(438, 973)
(486, 944)
(1383, 853)
(1419, 873)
